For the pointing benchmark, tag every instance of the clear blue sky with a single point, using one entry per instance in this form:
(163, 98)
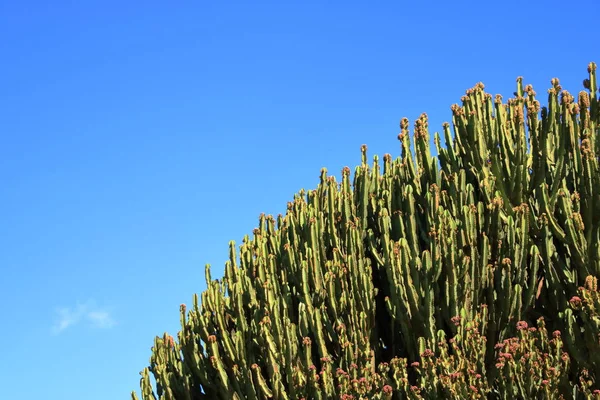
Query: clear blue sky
(138, 138)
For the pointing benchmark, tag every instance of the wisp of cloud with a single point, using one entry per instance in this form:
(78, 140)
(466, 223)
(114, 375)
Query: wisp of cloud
(82, 313)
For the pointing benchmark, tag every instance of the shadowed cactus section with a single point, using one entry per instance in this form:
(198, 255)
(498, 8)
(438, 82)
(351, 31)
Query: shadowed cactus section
(417, 277)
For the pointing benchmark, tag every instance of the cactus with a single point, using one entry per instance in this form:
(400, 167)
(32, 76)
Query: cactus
(421, 277)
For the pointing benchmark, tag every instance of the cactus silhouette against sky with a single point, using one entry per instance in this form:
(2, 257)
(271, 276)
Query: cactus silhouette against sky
(472, 274)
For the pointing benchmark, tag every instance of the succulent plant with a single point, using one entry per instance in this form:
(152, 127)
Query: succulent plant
(418, 277)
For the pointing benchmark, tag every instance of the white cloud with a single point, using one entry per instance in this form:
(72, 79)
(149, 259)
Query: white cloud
(82, 313)
(101, 319)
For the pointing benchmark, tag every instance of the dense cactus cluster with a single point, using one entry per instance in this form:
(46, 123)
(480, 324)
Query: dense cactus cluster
(470, 275)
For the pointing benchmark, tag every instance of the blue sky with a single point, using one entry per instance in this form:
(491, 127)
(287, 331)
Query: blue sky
(138, 138)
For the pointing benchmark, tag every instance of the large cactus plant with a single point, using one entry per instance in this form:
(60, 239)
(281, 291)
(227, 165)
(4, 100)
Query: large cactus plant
(418, 277)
